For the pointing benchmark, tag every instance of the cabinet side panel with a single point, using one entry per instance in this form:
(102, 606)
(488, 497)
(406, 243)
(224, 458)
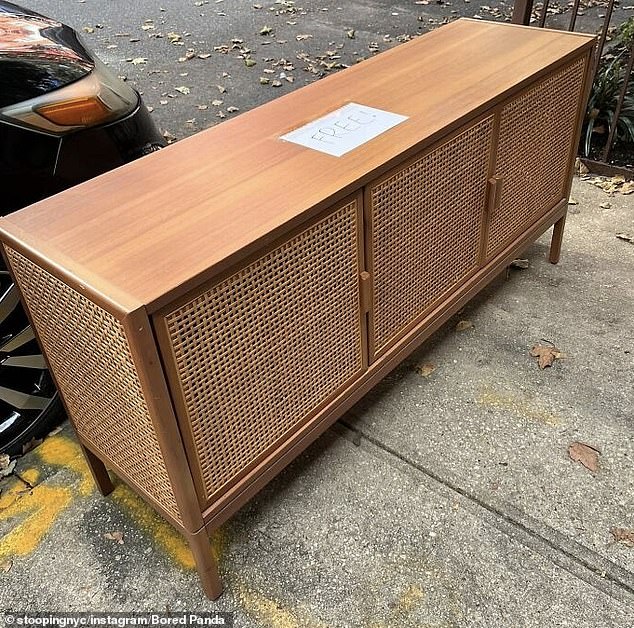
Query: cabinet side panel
(426, 225)
(537, 130)
(258, 353)
(89, 355)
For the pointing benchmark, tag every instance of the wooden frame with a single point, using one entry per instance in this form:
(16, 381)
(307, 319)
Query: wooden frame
(228, 226)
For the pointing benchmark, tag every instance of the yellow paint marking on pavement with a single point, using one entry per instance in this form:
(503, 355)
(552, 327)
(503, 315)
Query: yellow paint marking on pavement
(162, 532)
(170, 539)
(14, 489)
(401, 612)
(522, 407)
(62, 451)
(410, 598)
(271, 613)
(34, 511)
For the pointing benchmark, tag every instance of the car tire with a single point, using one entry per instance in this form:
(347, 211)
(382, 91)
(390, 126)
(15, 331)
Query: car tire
(30, 406)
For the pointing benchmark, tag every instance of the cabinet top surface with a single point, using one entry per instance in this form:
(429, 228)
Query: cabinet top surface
(161, 223)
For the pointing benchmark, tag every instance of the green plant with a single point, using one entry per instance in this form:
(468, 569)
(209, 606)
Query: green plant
(606, 90)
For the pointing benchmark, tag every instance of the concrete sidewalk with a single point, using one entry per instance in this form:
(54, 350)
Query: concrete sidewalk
(446, 498)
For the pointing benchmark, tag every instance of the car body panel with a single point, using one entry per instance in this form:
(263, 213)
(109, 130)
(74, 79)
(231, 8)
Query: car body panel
(37, 55)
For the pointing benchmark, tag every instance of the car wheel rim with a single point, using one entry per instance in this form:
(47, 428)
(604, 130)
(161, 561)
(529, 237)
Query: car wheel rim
(26, 386)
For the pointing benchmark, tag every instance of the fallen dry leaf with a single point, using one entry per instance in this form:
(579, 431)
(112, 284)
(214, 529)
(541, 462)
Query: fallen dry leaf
(6, 565)
(627, 187)
(464, 325)
(572, 201)
(266, 30)
(426, 369)
(587, 455)
(625, 236)
(183, 89)
(580, 167)
(611, 185)
(6, 465)
(622, 535)
(546, 355)
(250, 62)
(114, 536)
(351, 33)
(222, 89)
(232, 109)
(138, 60)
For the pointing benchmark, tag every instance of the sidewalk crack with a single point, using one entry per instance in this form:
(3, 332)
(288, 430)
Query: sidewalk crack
(580, 561)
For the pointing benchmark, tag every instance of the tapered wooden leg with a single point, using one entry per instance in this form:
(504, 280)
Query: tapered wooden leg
(205, 563)
(99, 472)
(555, 243)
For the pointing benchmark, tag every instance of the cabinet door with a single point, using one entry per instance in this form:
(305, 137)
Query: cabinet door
(251, 357)
(534, 154)
(425, 222)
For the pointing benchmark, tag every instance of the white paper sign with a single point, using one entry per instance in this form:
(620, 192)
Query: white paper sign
(344, 129)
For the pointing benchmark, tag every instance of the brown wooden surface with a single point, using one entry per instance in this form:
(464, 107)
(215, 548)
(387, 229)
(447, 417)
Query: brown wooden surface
(151, 230)
(152, 378)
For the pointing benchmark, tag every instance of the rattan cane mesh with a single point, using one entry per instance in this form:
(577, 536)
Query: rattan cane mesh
(257, 353)
(536, 135)
(89, 355)
(426, 229)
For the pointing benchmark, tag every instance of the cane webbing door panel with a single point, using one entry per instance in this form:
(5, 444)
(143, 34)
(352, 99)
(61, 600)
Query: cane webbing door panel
(89, 354)
(259, 352)
(426, 224)
(534, 150)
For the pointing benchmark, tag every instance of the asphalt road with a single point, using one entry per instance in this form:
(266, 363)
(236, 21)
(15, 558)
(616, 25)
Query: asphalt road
(189, 58)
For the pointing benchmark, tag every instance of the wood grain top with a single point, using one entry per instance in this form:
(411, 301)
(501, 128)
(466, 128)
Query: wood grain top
(152, 229)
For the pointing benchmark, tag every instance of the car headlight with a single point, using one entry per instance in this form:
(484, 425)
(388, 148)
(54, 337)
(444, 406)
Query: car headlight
(95, 99)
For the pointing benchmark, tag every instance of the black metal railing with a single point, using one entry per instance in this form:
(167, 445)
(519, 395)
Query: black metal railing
(528, 12)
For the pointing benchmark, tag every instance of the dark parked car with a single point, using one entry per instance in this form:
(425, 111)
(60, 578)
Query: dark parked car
(64, 118)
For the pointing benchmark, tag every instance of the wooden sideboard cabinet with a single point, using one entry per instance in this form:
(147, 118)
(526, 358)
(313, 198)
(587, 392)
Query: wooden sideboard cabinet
(207, 311)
